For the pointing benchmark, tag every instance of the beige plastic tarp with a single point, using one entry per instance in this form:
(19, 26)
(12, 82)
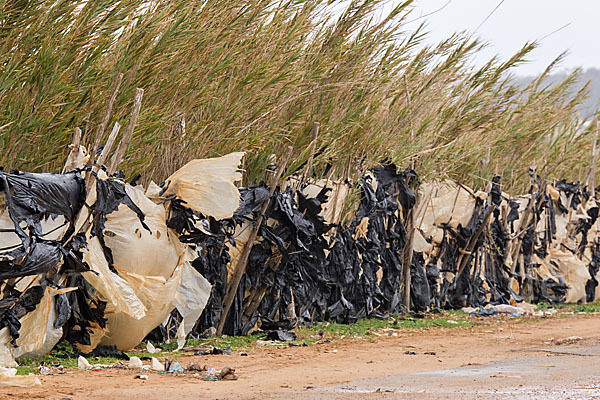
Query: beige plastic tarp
(334, 206)
(207, 186)
(447, 203)
(190, 300)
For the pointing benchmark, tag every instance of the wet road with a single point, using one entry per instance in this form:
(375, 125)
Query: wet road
(557, 372)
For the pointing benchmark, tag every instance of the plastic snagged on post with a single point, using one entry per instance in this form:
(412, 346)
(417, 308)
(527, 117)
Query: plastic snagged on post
(124, 267)
(207, 186)
(143, 257)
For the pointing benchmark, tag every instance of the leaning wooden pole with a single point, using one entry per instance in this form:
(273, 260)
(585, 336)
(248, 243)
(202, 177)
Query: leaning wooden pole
(106, 119)
(75, 143)
(90, 179)
(240, 267)
(309, 163)
(407, 255)
(124, 144)
(590, 181)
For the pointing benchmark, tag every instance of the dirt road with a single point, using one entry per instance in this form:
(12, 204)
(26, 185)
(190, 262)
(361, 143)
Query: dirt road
(485, 362)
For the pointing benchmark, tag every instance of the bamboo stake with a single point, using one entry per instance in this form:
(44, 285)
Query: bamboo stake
(240, 267)
(590, 181)
(107, 114)
(309, 163)
(75, 146)
(107, 147)
(84, 212)
(407, 254)
(76, 137)
(126, 139)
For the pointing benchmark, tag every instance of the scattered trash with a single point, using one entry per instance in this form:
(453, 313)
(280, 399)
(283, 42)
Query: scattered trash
(210, 332)
(228, 373)
(508, 309)
(568, 340)
(270, 343)
(485, 312)
(196, 367)
(9, 377)
(150, 348)
(51, 369)
(198, 349)
(225, 350)
(156, 365)
(281, 335)
(135, 362)
(107, 351)
(82, 363)
(214, 351)
(142, 377)
(175, 367)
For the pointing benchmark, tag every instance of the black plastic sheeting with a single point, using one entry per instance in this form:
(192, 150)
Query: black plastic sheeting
(31, 199)
(301, 269)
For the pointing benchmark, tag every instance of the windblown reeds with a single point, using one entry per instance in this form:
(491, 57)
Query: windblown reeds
(252, 75)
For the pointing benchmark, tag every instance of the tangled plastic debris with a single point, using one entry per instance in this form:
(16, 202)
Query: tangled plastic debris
(105, 264)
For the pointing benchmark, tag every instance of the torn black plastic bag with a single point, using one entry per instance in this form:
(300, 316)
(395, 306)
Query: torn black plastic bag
(280, 335)
(31, 198)
(110, 194)
(420, 294)
(397, 184)
(19, 305)
(41, 258)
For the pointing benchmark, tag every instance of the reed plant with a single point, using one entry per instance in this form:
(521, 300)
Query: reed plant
(254, 76)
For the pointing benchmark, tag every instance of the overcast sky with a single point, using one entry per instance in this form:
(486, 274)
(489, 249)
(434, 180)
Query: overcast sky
(517, 21)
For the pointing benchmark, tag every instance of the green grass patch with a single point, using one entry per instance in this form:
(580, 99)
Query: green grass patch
(27, 369)
(587, 308)
(370, 327)
(232, 342)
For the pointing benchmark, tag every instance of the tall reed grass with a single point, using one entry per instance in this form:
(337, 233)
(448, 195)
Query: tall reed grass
(254, 75)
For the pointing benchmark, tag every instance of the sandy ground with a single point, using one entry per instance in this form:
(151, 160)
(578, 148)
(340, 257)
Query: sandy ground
(485, 362)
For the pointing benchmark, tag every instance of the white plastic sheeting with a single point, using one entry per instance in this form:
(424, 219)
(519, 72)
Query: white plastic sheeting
(447, 203)
(154, 271)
